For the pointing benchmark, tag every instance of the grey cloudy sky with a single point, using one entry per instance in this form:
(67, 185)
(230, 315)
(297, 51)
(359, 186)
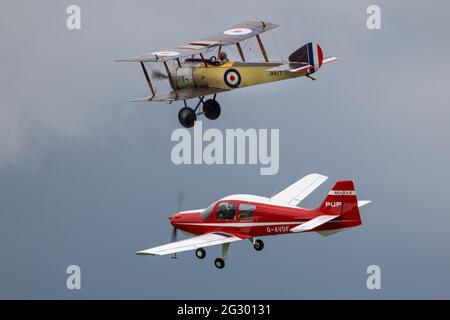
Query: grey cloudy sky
(86, 177)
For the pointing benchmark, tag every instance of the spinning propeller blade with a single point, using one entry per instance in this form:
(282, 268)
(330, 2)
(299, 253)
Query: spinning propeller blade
(156, 74)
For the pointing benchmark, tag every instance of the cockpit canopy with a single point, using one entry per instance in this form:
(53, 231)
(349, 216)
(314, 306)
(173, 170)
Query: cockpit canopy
(207, 212)
(227, 210)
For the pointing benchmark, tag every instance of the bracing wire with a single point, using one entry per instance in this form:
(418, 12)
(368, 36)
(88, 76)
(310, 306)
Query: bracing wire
(276, 44)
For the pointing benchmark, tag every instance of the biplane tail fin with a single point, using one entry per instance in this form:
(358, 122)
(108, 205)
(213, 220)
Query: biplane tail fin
(310, 54)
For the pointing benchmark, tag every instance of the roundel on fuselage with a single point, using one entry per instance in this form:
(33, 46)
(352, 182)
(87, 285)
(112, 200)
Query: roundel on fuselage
(232, 78)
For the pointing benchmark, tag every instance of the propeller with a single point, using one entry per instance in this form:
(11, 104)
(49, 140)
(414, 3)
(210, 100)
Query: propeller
(180, 198)
(174, 235)
(159, 75)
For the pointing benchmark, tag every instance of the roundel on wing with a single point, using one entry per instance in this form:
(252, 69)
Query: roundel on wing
(237, 31)
(232, 78)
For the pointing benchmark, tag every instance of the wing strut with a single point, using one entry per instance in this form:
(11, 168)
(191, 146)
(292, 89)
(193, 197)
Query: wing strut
(149, 82)
(203, 60)
(169, 75)
(241, 53)
(261, 46)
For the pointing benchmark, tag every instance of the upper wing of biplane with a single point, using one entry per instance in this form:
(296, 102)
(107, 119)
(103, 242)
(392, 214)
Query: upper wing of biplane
(204, 240)
(233, 35)
(298, 191)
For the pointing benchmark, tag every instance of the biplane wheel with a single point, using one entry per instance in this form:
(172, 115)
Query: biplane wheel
(200, 253)
(211, 108)
(258, 245)
(187, 117)
(219, 263)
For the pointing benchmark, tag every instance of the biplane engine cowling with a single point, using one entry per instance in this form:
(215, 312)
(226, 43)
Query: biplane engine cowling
(184, 78)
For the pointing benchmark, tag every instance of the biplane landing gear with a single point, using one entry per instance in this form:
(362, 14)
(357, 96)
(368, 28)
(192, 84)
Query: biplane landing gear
(187, 117)
(200, 253)
(211, 109)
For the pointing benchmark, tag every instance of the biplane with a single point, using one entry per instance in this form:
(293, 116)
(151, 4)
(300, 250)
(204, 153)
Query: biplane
(241, 216)
(191, 73)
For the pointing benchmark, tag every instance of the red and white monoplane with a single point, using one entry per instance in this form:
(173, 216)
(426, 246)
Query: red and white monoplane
(239, 217)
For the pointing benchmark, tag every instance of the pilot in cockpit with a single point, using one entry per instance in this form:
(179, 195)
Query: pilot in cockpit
(223, 57)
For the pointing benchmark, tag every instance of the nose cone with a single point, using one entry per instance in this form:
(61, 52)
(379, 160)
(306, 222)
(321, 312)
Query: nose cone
(185, 217)
(173, 218)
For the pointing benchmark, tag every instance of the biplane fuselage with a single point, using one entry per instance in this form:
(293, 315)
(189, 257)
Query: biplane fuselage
(197, 75)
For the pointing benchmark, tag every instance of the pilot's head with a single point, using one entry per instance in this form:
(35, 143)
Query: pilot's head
(222, 55)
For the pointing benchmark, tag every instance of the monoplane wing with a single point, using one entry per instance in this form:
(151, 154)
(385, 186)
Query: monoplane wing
(233, 35)
(298, 191)
(204, 240)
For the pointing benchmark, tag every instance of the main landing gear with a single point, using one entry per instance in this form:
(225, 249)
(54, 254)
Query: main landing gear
(200, 253)
(219, 262)
(210, 108)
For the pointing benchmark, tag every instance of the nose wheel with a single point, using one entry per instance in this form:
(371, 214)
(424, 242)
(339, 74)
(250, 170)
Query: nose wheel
(210, 108)
(258, 245)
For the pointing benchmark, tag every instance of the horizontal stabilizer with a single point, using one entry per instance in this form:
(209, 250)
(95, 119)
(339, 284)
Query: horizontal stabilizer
(291, 67)
(314, 223)
(329, 60)
(363, 203)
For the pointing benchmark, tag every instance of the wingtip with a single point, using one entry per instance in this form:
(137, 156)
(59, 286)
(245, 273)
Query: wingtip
(319, 175)
(143, 253)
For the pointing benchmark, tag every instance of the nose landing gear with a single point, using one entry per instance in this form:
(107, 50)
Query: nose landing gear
(258, 245)
(210, 108)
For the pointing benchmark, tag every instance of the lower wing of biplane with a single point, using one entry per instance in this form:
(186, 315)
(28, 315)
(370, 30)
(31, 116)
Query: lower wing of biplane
(181, 94)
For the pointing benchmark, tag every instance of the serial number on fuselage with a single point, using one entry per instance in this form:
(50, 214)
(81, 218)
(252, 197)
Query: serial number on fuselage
(277, 229)
(275, 73)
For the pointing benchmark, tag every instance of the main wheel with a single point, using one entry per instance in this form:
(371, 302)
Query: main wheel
(258, 245)
(211, 108)
(200, 253)
(187, 117)
(219, 263)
